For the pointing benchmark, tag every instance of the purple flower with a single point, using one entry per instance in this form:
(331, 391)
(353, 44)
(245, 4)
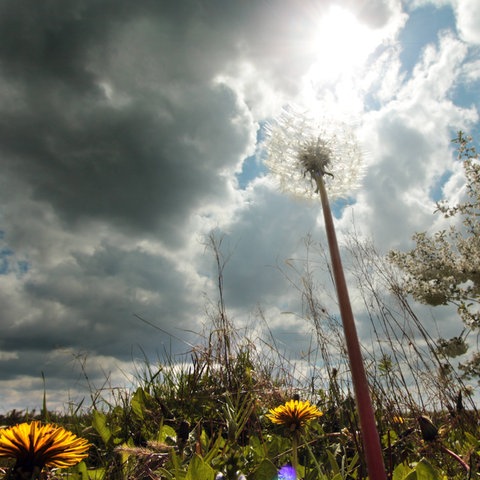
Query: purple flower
(287, 472)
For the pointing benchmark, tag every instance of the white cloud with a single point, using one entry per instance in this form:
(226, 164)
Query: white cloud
(468, 20)
(408, 139)
(467, 14)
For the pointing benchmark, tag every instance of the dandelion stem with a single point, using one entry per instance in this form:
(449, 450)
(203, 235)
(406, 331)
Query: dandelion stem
(295, 451)
(370, 437)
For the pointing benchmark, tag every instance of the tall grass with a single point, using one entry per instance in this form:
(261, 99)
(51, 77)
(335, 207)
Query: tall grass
(203, 416)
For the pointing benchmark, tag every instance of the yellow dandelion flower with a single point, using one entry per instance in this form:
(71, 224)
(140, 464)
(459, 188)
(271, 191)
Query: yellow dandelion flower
(295, 414)
(398, 420)
(35, 446)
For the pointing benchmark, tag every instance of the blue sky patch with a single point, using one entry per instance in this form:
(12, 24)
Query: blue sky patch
(436, 192)
(253, 166)
(467, 94)
(422, 28)
(5, 254)
(8, 263)
(339, 205)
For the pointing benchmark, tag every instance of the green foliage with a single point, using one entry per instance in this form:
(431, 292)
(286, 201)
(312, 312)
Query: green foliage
(422, 470)
(149, 436)
(266, 470)
(198, 468)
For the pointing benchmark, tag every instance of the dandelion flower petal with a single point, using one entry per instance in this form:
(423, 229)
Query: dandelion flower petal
(35, 446)
(294, 414)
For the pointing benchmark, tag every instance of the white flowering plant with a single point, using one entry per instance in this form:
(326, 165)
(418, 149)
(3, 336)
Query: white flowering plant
(444, 268)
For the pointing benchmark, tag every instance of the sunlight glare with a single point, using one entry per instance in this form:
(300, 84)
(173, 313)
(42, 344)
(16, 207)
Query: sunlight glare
(341, 43)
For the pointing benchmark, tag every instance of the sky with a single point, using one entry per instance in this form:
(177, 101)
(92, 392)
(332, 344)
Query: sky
(130, 131)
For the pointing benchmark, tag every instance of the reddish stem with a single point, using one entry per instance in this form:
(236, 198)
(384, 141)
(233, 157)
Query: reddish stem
(456, 457)
(370, 437)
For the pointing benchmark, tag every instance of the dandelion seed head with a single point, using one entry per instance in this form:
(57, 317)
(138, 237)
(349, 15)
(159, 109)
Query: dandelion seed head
(299, 147)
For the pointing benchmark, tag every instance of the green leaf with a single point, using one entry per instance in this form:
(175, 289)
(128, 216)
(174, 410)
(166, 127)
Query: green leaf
(176, 462)
(425, 471)
(82, 469)
(215, 449)
(94, 474)
(199, 469)
(333, 462)
(472, 440)
(265, 471)
(138, 403)
(99, 423)
(165, 432)
(352, 464)
(402, 472)
(257, 448)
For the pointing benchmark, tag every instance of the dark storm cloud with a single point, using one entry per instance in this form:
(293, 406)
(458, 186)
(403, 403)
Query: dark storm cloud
(127, 167)
(92, 301)
(34, 362)
(43, 43)
(141, 165)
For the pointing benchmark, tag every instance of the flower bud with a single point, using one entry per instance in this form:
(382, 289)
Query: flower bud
(428, 429)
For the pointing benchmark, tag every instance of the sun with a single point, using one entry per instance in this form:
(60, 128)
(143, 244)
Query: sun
(340, 44)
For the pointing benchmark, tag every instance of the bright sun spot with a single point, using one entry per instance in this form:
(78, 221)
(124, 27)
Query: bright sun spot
(340, 44)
